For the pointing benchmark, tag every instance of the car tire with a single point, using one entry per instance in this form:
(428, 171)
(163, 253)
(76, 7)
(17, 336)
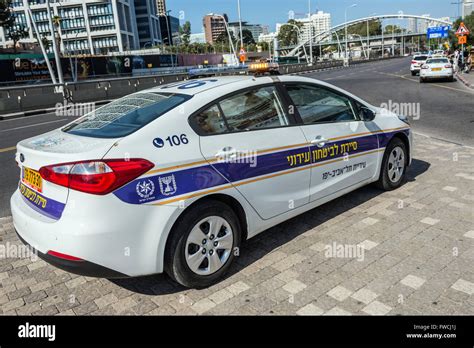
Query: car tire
(413, 73)
(395, 154)
(422, 80)
(182, 254)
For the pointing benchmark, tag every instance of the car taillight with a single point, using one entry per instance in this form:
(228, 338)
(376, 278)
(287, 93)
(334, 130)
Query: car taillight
(97, 177)
(448, 66)
(414, 62)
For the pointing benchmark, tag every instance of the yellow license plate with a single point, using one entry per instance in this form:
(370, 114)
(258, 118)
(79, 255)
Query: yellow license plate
(436, 69)
(32, 179)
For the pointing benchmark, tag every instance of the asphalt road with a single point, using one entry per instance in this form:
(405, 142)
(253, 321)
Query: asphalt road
(446, 111)
(446, 108)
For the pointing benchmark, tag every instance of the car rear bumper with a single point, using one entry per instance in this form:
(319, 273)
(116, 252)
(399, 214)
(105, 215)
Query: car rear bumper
(112, 238)
(436, 75)
(81, 267)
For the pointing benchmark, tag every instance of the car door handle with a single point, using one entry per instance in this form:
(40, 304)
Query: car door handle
(319, 141)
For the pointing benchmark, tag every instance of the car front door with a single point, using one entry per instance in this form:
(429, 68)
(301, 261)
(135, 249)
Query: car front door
(249, 139)
(344, 151)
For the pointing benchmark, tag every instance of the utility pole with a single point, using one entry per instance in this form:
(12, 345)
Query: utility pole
(310, 33)
(345, 27)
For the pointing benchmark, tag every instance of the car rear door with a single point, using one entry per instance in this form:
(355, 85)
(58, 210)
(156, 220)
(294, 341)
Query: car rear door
(250, 139)
(344, 150)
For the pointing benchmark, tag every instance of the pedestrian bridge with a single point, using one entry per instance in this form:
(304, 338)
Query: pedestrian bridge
(326, 37)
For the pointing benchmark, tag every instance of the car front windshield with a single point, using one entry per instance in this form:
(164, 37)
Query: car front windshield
(125, 115)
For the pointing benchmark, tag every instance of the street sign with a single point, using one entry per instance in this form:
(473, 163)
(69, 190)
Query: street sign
(462, 30)
(242, 55)
(438, 32)
(462, 40)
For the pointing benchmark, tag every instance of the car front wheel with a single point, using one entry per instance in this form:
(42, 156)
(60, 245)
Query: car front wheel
(394, 164)
(202, 245)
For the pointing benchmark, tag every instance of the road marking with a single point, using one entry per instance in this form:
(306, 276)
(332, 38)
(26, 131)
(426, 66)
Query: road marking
(7, 149)
(431, 84)
(32, 125)
(441, 139)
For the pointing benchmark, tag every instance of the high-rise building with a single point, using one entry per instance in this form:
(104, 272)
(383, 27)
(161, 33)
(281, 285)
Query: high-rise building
(317, 23)
(92, 26)
(169, 29)
(255, 29)
(148, 23)
(161, 5)
(468, 7)
(214, 25)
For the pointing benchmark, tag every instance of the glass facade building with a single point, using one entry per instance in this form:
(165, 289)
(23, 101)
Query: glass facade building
(92, 26)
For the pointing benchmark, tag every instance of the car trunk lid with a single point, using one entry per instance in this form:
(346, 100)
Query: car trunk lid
(53, 148)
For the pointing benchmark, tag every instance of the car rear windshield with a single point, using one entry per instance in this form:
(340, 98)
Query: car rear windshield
(125, 115)
(421, 58)
(437, 61)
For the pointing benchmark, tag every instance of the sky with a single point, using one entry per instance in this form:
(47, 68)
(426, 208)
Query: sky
(270, 12)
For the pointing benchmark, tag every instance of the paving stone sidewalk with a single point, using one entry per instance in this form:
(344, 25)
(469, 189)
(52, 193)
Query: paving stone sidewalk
(409, 251)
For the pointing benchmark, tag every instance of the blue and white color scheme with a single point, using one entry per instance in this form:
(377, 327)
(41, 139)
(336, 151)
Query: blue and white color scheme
(438, 32)
(175, 177)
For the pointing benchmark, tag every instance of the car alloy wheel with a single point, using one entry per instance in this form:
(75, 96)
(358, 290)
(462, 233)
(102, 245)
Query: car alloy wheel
(209, 245)
(396, 164)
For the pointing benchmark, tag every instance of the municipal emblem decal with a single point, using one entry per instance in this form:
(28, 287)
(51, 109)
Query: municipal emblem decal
(145, 188)
(167, 185)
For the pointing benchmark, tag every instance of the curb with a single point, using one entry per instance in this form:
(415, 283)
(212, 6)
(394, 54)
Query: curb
(41, 111)
(464, 80)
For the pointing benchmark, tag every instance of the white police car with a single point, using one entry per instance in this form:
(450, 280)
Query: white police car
(176, 177)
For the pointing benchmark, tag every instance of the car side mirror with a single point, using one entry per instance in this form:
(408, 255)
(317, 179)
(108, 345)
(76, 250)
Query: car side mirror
(367, 114)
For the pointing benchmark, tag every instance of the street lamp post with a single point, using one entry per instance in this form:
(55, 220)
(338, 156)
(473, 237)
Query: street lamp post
(345, 27)
(240, 26)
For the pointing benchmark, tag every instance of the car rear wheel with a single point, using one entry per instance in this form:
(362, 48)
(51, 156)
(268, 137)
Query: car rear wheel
(422, 80)
(202, 245)
(394, 164)
(413, 73)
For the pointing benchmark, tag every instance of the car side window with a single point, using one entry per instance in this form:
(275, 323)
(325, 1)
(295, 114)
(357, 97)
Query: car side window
(320, 105)
(254, 109)
(210, 121)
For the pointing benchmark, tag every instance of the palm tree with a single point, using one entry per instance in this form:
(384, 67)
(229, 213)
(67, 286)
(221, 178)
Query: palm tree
(57, 23)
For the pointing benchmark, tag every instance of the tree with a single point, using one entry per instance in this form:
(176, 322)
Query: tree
(391, 28)
(185, 33)
(375, 28)
(6, 18)
(223, 38)
(288, 34)
(7, 21)
(248, 37)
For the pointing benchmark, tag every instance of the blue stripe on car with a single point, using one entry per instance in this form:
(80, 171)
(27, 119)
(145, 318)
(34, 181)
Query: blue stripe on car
(207, 176)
